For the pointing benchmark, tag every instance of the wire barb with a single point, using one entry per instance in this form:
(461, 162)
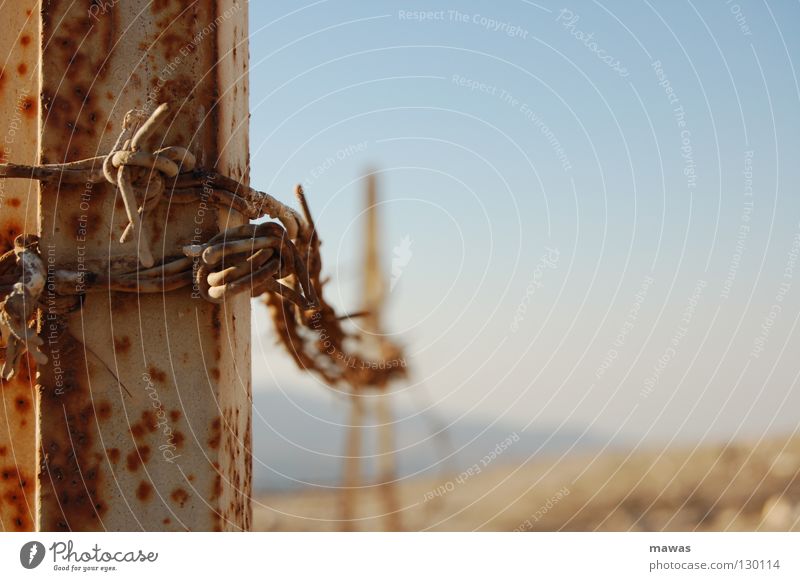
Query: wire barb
(142, 175)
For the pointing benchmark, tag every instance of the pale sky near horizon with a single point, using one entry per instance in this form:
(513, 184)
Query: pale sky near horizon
(601, 200)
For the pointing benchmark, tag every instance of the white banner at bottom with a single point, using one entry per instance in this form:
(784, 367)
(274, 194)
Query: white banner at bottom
(389, 556)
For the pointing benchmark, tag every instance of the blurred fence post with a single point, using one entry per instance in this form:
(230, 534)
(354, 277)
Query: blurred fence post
(144, 412)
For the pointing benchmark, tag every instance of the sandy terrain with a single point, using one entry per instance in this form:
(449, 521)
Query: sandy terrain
(738, 487)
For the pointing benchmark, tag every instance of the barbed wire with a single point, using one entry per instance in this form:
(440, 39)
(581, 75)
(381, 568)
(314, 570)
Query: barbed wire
(281, 261)
(316, 339)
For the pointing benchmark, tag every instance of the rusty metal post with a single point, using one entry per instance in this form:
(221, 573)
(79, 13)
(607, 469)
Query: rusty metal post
(19, 88)
(144, 418)
(387, 464)
(351, 476)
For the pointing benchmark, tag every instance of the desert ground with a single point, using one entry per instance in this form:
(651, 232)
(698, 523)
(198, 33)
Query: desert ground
(727, 487)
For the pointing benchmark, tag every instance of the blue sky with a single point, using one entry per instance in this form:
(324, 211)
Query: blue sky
(546, 161)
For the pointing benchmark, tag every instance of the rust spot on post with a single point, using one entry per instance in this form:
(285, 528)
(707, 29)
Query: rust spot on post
(23, 404)
(137, 431)
(180, 496)
(149, 421)
(144, 491)
(216, 434)
(122, 345)
(137, 457)
(28, 107)
(157, 375)
(217, 490)
(104, 410)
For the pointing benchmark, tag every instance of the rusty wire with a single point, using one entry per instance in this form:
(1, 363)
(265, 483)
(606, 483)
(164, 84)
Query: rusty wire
(248, 258)
(143, 179)
(141, 175)
(281, 261)
(17, 311)
(253, 257)
(317, 340)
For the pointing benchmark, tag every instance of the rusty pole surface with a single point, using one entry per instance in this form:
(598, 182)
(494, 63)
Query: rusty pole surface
(19, 88)
(144, 413)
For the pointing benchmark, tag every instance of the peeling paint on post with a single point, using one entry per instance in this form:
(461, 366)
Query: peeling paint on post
(145, 403)
(18, 214)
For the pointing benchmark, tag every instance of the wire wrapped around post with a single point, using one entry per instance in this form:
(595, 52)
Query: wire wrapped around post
(278, 260)
(23, 268)
(252, 258)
